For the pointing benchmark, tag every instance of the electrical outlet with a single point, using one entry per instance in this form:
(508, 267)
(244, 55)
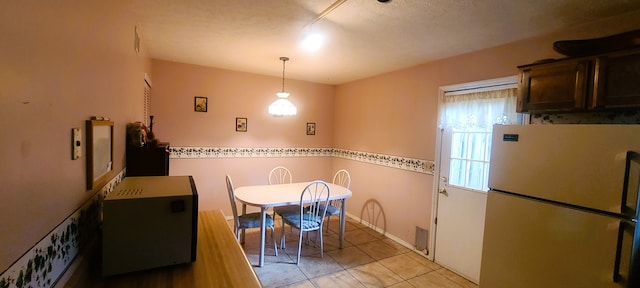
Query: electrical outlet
(76, 143)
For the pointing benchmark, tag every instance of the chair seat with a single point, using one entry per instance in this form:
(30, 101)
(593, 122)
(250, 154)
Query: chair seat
(308, 221)
(252, 220)
(331, 210)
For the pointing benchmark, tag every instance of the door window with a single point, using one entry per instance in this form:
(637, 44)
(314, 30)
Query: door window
(470, 116)
(470, 159)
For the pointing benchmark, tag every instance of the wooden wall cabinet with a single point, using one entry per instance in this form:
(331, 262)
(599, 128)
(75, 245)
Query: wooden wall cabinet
(617, 81)
(595, 83)
(559, 86)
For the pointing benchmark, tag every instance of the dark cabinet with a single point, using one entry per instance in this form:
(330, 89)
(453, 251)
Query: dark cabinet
(148, 160)
(617, 81)
(595, 83)
(559, 86)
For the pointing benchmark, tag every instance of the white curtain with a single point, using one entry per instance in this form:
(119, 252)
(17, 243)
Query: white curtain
(478, 111)
(470, 118)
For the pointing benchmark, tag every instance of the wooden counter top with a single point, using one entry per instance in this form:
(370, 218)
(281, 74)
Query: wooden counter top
(220, 262)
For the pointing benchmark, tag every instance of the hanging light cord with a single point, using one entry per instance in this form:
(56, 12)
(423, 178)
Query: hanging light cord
(284, 59)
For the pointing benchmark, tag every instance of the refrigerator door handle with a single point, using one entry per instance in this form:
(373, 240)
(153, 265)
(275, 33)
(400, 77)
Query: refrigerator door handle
(626, 265)
(630, 203)
(616, 268)
(628, 235)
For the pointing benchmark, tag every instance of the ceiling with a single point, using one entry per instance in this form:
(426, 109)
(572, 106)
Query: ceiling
(363, 37)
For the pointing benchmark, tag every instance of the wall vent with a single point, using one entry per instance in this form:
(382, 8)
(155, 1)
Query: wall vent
(422, 238)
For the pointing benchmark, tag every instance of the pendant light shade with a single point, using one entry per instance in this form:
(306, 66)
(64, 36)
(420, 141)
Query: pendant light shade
(282, 106)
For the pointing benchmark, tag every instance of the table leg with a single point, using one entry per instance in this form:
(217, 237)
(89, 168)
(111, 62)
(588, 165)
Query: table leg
(244, 211)
(263, 220)
(342, 220)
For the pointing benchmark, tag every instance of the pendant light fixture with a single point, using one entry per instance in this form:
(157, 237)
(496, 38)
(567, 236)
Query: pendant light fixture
(282, 106)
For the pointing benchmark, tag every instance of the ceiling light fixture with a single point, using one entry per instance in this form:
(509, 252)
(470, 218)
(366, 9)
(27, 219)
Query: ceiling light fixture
(312, 41)
(282, 106)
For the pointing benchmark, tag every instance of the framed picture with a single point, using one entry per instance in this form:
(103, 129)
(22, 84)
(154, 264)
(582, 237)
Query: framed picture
(311, 128)
(200, 104)
(241, 124)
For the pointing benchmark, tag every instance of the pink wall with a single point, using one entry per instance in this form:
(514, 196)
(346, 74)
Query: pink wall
(396, 113)
(62, 62)
(235, 94)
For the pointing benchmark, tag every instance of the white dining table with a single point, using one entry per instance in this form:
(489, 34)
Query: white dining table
(274, 195)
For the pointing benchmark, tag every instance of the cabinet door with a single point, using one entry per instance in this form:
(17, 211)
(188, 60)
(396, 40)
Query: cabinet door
(553, 87)
(617, 81)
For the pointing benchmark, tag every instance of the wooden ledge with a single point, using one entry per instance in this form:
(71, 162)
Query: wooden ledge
(220, 262)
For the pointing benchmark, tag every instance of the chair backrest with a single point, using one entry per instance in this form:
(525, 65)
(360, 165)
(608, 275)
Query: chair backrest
(280, 175)
(234, 208)
(342, 178)
(314, 199)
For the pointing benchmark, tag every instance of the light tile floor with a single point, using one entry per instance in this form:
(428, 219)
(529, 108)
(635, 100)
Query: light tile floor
(368, 259)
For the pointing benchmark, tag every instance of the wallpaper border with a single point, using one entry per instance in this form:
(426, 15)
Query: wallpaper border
(48, 259)
(400, 162)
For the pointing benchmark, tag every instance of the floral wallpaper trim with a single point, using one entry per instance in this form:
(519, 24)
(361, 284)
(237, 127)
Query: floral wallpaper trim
(45, 262)
(228, 152)
(405, 163)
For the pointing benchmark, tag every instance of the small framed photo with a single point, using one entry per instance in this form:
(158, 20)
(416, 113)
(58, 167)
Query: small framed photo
(241, 124)
(311, 128)
(200, 104)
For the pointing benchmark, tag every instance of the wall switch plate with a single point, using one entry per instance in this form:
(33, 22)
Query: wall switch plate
(76, 143)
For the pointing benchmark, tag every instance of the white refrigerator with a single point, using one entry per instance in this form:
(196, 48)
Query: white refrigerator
(562, 208)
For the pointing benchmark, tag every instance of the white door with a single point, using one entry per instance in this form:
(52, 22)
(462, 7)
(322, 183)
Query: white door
(467, 120)
(461, 202)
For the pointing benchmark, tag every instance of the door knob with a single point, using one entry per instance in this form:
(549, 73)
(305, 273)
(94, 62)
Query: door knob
(443, 192)
(444, 179)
